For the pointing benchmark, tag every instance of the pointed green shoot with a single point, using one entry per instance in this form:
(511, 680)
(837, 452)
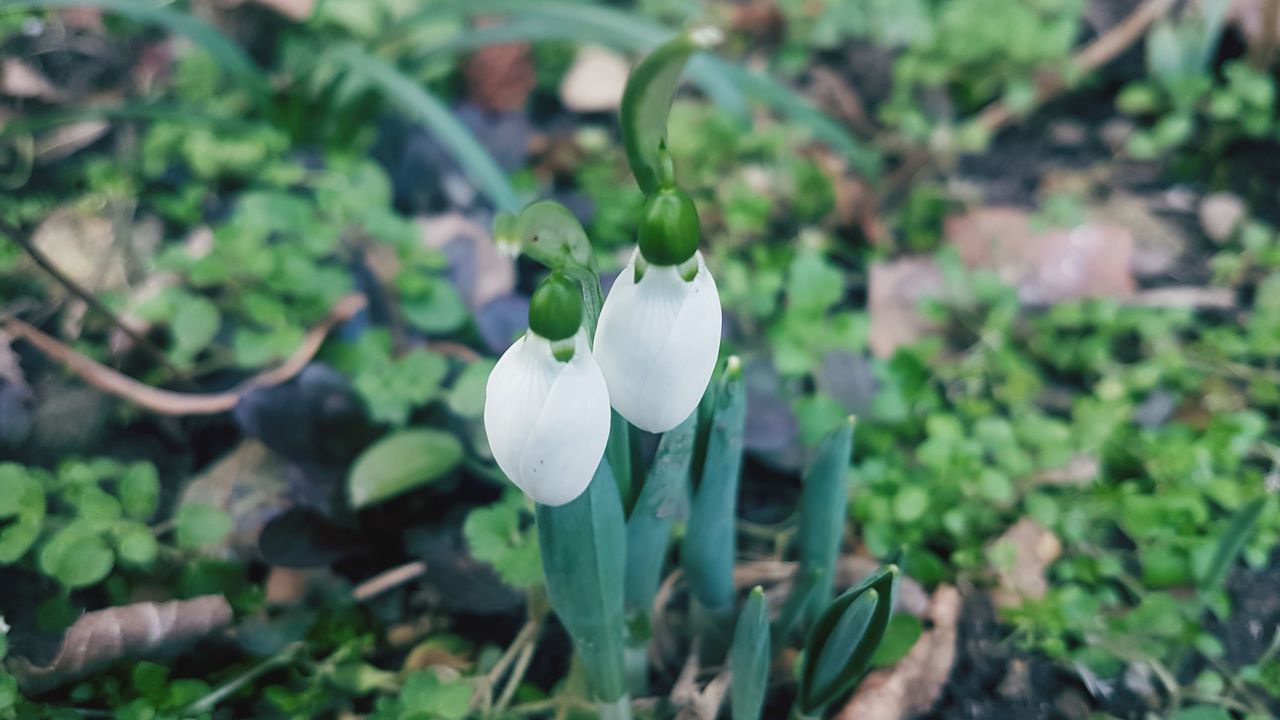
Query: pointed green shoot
(844, 639)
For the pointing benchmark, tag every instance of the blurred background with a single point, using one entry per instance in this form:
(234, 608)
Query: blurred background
(1031, 244)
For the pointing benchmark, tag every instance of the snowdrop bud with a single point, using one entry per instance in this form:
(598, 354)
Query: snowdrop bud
(657, 340)
(668, 231)
(546, 409)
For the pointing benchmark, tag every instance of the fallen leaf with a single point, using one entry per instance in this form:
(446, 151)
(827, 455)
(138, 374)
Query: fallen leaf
(1020, 556)
(248, 484)
(66, 140)
(500, 77)
(477, 269)
(15, 396)
(137, 631)
(21, 80)
(1249, 17)
(1186, 297)
(595, 80)
(84, 248)
(761, 18)
(1157, 242)
(1079, 470)
(1046, 266)
(912, 685)
(894, 293)
(1220, 214)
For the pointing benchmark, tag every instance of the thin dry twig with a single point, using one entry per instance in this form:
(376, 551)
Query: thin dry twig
(388, 579)
(1102, 50)
(168, 402)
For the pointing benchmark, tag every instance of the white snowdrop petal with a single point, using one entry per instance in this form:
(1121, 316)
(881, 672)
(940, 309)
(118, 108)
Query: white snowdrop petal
(514, 395)
(568, 439)
(657, 343)
(675, 384)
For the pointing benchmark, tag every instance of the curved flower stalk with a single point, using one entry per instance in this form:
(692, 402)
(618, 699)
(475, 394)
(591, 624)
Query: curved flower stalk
(659, 332)
(546, 409)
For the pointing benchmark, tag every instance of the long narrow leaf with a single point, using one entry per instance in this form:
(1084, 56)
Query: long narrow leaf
(425, 107)
(649, 526)
(227, 54)
(710, 542)
(583, 548)
(749, 658)
(824, 504)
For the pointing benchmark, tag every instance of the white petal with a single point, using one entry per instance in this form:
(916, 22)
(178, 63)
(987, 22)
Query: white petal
(547, 421)
(568, 440)
(657, 343)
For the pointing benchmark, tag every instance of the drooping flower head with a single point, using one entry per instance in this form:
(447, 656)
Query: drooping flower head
(546, 409)
(659, 331)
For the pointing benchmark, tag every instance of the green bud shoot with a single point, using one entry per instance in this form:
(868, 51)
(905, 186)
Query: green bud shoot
(668, 232)
(555, 310)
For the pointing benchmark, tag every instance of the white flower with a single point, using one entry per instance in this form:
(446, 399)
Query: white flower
(657, 343)
(547, 420)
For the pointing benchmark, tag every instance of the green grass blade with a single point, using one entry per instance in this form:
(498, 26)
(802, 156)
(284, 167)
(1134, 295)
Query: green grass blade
(1232, 543)
(234, 61)
(583, 548)
(412, 98)
(710, 542)
(749, 657)
(824, 503)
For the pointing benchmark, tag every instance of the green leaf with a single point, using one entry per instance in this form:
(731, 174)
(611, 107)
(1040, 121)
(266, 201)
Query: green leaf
(466, 397)
(140, 490)
(583, 553)
(749, 658)
(136, 545)
(201, 525)
(194, 325)
(76, 555)
(899, 637)
(710, 543)
(1231, 543)
(415, 100)
(646, 101)
(227, 54)
(495, 535)
(399, 463)
(813, 284)
(392, 388)
(824, 507)
(845, 637)
(425, 694)
(439, 311)
(22, 509)
(665, 490)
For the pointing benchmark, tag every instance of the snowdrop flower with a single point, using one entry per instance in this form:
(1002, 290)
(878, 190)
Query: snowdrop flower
(546, 409)
(659, 330)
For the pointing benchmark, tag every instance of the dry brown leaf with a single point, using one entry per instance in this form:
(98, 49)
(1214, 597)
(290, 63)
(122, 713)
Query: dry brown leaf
(595, 80)
(1187, 297)
(500, 77)
(67, 139)
(914, 684)
(1079, 470)
(1021, 556)
(1220, 214)
(489, 275)
(84, 248)
(20, 80)
(1046, 266)
(10, 365)
(761, 18)
(1157, 242)
(894, 293)
(250, 485)
(140, 630)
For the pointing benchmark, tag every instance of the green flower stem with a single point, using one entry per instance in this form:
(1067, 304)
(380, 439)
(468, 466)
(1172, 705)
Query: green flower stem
(637, 663)
(798, 714)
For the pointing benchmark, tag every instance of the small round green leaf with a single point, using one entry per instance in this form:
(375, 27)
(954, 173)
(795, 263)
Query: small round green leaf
(140, 490)
(136, 545)
(400, 463)
(22, 508)
(76, 556)
(201, 525)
